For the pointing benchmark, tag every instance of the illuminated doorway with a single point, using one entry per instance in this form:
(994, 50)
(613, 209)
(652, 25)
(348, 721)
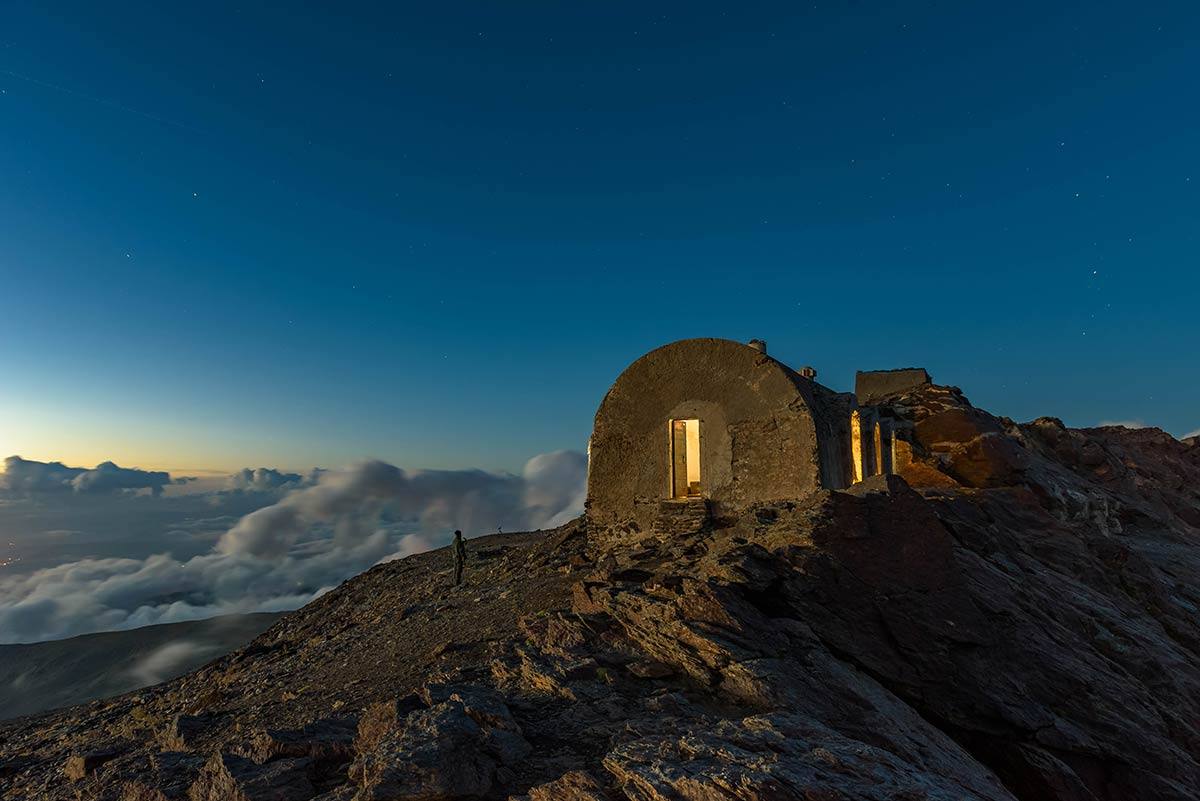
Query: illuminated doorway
(685, 458)
(856, 445)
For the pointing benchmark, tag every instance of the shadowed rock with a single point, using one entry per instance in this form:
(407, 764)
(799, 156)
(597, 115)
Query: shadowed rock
(226, 777)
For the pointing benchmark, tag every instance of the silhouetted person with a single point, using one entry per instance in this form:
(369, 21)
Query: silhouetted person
(460, 557)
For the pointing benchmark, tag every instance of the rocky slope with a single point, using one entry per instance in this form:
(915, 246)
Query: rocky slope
(1015, 616)
(46, 675)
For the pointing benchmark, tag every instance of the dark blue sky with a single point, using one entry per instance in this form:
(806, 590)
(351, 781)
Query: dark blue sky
(434, 233)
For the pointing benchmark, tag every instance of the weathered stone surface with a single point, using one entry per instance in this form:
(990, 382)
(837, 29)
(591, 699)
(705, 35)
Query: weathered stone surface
(763, 427)
(450, 750)
(81, 765)
(918, 470)
(183, 732)
(772, 757)
(989, 460)
(343, 793)
(554, 634)
(169, 777)
(226, 777)
(953, 426)
(872, 386)
(381, 718)
(574, 786)
(681, 518)
(329, 739)
(649, 669)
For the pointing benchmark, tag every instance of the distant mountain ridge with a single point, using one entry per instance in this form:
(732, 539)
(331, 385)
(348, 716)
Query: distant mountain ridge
(35, 677)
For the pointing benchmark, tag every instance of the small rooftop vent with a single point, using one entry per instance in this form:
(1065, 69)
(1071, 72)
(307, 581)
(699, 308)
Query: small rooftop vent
(808, 372)
(759, 345)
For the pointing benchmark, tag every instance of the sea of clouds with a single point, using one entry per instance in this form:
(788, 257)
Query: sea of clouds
(304, 535)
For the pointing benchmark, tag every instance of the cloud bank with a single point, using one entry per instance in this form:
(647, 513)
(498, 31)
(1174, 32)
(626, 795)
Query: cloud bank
(285, 554)
(28, 477)
(263, 479)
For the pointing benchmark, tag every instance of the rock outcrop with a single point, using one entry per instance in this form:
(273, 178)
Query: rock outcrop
(1011, 617)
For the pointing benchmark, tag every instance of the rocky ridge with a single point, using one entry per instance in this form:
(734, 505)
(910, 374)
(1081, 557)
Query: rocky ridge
(1013, 616)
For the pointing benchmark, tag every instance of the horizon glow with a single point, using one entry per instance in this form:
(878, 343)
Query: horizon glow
(437, 236)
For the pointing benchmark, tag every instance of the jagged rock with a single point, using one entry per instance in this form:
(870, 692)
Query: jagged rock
(920, 471)
(169, 777)
(342, 793)
(574, 786)
(183, 732)
(329, 739)
(81, 765)
(776, 757)
(452, 749)
(503, 737)
(381, 718)
(540, 674)
(553, 634)
(226, 777)
(953, 426)
(989, 460)
(13, 764)
(649, 669)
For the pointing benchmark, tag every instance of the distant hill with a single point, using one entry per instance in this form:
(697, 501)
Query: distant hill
(48, 675)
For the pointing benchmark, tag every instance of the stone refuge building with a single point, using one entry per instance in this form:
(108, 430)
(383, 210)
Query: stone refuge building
(706, 427)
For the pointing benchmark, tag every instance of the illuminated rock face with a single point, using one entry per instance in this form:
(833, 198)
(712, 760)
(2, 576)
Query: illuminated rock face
(763, 433)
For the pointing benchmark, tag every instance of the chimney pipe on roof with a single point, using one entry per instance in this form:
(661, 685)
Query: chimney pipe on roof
(759, 345)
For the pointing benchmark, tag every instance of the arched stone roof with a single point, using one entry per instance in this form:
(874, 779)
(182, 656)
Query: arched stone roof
(760, 425)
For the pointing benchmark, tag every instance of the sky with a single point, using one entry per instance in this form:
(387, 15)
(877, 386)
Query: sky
(242, 235)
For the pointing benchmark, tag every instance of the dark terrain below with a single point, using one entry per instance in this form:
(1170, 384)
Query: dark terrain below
(1013, 617)
(46, 675)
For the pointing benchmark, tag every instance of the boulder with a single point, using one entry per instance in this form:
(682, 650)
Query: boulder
(381, 718)
(168, 777)
(80, 765)
(452, 749)
(574, 786)
(184, 732)
(325, 740)
(226, 777)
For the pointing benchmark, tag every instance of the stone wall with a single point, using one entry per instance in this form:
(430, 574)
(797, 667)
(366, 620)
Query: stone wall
(875, 385)
(758, 430)
(831, 415)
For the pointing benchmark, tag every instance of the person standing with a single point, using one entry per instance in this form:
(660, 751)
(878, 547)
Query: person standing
(460, 557)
